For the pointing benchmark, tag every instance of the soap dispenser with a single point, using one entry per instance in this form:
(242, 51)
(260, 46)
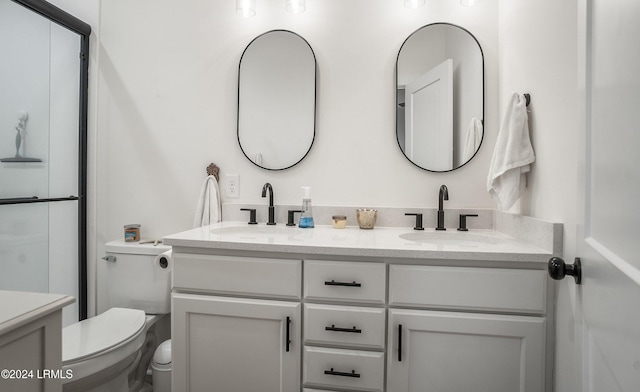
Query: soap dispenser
(306, 216)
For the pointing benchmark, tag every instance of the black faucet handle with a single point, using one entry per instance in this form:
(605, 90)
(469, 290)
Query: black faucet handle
(463, 221)
(290, 217)
(252, 215)
(418, 216)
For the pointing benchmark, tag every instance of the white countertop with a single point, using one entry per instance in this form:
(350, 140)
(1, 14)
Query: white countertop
(18, 308)
(353, 241)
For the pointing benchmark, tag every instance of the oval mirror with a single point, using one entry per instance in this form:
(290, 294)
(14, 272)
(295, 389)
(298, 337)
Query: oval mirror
(440, 97)
(277, 100)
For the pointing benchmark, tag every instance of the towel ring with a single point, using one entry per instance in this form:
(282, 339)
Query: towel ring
(527, 98)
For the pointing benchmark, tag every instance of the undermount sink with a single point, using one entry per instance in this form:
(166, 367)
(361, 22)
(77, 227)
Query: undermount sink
(459, 238)
(251, 230)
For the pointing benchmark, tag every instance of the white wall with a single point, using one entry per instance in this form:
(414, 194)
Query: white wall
(538, 54)
(167, 108)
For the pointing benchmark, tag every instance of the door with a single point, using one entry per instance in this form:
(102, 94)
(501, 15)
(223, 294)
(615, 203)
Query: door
(430, 351)
(608, 241)
(429, 118)
(235, 345)
(43, 152)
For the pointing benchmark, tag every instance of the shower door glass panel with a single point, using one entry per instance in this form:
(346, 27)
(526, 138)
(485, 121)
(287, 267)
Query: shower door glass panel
(39, 116)
(39, 154)
(24, 247)
(63, 254)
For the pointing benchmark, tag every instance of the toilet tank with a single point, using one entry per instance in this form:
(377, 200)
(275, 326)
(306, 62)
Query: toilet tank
(138, 276)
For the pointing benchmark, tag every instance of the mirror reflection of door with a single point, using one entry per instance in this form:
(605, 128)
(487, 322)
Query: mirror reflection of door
(422, 53)
(429, 118)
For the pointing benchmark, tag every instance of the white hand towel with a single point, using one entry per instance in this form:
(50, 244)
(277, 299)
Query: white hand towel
(474, 138)
(209, 209)
(512, 155)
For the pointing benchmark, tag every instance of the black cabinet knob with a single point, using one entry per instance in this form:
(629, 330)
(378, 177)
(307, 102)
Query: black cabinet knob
(558, 269)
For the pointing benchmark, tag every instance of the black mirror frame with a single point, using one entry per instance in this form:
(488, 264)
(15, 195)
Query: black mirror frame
(315, 99)
(397, 103)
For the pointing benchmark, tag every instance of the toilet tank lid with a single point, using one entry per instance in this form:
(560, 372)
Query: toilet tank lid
(135, 248)
(100, 333)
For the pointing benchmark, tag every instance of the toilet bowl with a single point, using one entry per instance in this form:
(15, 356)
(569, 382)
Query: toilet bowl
(111, 351)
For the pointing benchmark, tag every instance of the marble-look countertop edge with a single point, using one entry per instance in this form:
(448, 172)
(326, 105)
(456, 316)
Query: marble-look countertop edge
(32, 307)
(200, 240)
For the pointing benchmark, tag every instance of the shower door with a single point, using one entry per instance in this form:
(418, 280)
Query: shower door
(43, 83)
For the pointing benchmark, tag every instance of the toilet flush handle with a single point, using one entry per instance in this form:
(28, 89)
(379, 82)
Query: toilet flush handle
(111, 259)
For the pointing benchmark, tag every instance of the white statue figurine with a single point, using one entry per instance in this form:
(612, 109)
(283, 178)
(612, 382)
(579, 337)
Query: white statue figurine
(21, 128)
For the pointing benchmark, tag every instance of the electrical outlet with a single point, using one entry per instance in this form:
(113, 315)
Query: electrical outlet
(232, 186)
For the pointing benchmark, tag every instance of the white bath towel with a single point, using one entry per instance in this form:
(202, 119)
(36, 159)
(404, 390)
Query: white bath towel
(512, 155)
(474, 138)
(209, 209)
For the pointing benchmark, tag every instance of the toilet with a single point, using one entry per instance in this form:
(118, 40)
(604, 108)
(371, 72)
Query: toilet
(111, 351)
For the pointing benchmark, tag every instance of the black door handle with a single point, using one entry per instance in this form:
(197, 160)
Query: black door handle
(558, 269)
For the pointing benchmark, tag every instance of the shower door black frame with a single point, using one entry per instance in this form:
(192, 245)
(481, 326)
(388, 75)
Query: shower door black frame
(81, 28)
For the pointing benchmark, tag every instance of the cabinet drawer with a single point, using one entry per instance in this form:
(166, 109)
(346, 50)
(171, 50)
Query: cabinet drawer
(345, 281)
(335, 368)
(278, 278)
(509, 290)
(318, 390)
(345, 325)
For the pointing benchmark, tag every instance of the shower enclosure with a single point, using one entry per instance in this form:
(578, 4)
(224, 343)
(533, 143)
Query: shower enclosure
(43, 123)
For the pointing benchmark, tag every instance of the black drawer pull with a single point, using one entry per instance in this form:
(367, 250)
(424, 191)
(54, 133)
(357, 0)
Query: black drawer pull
(288, 337)
(342, 374)
(338, 329)
(399, 342)
(348, 284)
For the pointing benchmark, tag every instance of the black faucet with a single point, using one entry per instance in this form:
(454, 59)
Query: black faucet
(272, 209)
(443, 195)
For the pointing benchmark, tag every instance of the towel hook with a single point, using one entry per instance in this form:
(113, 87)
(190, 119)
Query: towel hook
(527, 98)
(214, 170)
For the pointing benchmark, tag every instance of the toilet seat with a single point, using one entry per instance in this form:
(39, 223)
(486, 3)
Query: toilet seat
(102, 341)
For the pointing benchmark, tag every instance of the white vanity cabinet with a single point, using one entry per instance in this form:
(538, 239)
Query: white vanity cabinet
(312, 312)
(344, 325)
(470, 346)
(224, 341)
(31, 340)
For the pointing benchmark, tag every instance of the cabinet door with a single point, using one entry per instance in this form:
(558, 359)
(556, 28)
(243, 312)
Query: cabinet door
(235, 345)
(451, 352)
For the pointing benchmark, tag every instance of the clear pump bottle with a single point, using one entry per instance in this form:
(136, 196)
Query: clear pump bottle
(306, 217)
